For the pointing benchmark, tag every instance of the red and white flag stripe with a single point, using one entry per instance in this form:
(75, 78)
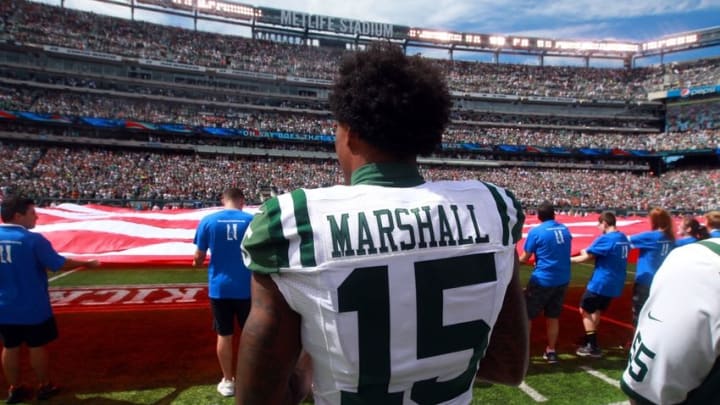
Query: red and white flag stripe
(126, 236)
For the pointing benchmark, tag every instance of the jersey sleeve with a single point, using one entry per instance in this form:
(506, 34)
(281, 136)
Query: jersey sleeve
(675, 346)
(642, 240)
(264, 247)
(530, 244)
(600, 246)
(46, 254)
(201, 236)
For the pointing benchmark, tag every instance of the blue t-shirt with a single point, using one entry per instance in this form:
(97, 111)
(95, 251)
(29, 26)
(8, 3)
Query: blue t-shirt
(685, 241)
(550, 242)
(715, 233)
(611, 254)
(653, 247)
(24, 259)
(222, 233)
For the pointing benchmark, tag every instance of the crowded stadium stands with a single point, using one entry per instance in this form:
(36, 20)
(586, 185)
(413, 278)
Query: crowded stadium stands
(253, 113)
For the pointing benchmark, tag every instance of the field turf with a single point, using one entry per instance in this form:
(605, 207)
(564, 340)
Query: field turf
(165, 355)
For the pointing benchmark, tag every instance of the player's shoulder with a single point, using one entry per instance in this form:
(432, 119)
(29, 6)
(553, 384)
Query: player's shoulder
(709, 247)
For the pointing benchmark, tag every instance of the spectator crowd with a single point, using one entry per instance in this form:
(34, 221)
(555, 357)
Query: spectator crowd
(102, 174)
(29, 22)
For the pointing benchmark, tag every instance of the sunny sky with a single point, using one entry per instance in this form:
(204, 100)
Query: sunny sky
(624, 20)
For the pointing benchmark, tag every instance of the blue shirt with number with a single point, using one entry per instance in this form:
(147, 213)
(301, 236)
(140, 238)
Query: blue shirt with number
(24, 259)
(221, 233)
(653, 247)
(611, 253)
(550, 242)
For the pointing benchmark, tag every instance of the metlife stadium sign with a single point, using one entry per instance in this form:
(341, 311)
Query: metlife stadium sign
(316, 22)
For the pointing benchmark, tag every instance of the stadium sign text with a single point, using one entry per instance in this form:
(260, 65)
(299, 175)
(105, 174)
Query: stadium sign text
(181, 295)
(693, 91)
(297, 19)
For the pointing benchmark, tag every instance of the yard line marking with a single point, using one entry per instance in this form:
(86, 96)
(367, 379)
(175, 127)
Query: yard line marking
(530, 391)
(621, 403)
(61, 275)
(604, 318)
(597, 374)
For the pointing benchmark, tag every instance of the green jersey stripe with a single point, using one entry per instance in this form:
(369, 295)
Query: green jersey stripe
(502, 209)
(520, 216)
(712, 246)
(304, 228)
(275, 230)
(265, 248)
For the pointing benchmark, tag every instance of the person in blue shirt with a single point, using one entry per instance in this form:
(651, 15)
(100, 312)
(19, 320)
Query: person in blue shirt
(712, 222)
(653, 247)
(610, 251)
(550, 243)
(26, 316)
(228, 278)
(691, 231)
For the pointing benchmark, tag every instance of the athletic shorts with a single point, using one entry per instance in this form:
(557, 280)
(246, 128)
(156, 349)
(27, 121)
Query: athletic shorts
(225, 311)
(592, 302)
(550, 300)
(35, 335)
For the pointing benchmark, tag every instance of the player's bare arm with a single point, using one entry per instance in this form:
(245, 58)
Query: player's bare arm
(269, 348)
(525, 257)
(507, 355)
(583, 257)
(73, 264)
(199, 258)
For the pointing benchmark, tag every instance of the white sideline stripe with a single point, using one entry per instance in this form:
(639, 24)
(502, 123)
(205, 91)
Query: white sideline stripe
(530, 391)
(621, 403)
(61, 275)
(601, 376)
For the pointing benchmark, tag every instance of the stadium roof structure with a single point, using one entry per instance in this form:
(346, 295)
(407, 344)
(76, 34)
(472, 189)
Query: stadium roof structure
(341, 29)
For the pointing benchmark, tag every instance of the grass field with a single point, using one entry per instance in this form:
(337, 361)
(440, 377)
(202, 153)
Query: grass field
(165, 354)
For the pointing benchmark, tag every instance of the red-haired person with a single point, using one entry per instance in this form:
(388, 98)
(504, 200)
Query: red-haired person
(653, 246)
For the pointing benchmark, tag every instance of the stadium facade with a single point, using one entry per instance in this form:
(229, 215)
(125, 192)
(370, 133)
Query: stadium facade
(82, 81)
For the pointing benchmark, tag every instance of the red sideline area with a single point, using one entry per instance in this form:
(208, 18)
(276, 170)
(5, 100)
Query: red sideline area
(129, 298)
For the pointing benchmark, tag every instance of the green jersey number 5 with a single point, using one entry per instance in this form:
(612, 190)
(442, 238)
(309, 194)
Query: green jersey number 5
(366, 291)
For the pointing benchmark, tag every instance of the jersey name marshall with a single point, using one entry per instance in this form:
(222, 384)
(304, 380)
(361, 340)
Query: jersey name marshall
(309, 228)
(398, 229)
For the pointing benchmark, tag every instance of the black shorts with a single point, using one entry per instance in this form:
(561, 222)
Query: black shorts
(35, 335)
(225, 311)
(592, 302)
(550, 300)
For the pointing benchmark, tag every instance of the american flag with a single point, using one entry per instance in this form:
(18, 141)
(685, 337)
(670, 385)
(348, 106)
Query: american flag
(127, 236)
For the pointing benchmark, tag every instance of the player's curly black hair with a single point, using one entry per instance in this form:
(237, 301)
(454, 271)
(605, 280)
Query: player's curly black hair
(397, 103)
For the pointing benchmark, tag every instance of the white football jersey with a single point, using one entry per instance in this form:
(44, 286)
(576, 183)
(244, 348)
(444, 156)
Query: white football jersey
(398, 287)
(674, 356)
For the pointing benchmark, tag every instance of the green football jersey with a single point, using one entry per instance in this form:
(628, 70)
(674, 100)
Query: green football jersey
(675, 352)
(398, 281)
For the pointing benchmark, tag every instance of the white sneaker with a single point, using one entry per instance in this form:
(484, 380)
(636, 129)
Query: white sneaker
(226, 388)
